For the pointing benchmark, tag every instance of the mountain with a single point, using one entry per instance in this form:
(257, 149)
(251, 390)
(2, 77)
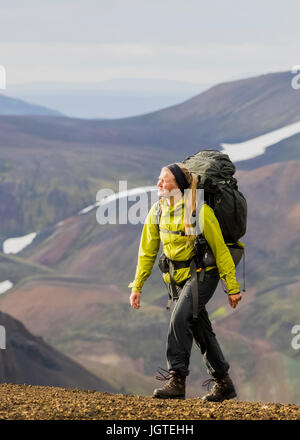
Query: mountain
(92, 265)
(81, 305)
(52, 155)
(13, 106)
(79, 245)
(229, 112)
(27, 359)
(118, 98)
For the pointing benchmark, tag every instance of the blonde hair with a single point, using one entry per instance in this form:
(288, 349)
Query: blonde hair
(190, 205)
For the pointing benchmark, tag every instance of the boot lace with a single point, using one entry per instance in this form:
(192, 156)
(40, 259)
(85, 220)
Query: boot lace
(163, 376)
(208, 382)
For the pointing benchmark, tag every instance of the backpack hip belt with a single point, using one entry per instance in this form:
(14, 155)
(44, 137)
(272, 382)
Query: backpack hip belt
(168, 266)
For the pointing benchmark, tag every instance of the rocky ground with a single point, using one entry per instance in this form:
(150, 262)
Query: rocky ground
(26, 402)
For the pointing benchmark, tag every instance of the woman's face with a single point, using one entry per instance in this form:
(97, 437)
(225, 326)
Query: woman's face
(166, 183)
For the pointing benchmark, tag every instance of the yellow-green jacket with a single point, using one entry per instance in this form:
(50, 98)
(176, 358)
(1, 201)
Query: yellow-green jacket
(174, 245)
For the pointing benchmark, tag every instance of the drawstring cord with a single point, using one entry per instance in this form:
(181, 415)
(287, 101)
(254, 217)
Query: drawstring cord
(244, 270)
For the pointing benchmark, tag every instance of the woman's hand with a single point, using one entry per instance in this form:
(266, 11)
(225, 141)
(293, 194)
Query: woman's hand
(135, 299)
(234, 299)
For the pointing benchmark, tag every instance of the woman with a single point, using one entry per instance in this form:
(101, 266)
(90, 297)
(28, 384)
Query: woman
(178, 246)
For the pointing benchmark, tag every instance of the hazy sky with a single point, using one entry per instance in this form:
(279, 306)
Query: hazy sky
(190, 40)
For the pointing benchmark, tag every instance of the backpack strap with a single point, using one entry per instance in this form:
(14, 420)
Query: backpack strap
(158, 212)
(182, 233)
(172, 266)
(194, 288)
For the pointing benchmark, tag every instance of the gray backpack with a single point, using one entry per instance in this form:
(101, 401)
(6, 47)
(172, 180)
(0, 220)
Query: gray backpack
(215, 175)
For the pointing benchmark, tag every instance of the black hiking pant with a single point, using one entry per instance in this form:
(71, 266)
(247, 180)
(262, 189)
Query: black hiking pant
(183, 329)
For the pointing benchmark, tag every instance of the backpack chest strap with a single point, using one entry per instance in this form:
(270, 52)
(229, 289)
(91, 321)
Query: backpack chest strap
(182, 233)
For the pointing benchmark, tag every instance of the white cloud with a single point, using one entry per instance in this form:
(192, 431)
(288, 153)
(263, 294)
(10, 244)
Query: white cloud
(89, 62)
(198, 41)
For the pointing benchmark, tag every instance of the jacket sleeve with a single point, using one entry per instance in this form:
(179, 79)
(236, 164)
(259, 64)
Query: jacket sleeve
(214, 237)
(148, 249)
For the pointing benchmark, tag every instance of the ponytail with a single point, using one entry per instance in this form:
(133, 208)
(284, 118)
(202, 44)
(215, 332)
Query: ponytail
(190, 206)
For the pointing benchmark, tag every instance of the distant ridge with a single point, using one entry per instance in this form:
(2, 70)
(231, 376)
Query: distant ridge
(14, 106)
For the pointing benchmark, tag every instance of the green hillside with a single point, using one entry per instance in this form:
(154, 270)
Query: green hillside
(54, 166)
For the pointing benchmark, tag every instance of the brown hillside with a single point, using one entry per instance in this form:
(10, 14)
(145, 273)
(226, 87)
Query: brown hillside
(28, 359)
(36, 403)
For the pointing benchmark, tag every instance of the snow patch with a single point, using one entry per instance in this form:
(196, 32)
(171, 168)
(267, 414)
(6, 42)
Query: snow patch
(117, 196)
(257, 146)
(127, 193)
(16, 244)
(87, 209)
(5, 285)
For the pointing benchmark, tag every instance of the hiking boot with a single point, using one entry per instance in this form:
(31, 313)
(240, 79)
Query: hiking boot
(173, 389)
(223, 389)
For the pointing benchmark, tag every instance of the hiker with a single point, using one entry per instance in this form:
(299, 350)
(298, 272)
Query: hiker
(186, 323)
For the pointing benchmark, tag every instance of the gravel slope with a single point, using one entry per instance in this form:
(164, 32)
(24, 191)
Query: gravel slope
(18, 402)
